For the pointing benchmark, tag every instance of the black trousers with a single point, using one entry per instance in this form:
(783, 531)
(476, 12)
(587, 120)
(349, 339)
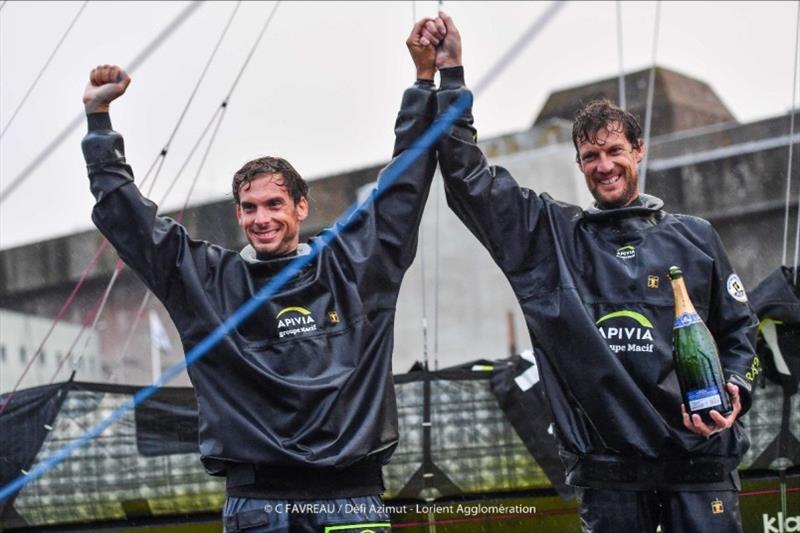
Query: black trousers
(614, 511)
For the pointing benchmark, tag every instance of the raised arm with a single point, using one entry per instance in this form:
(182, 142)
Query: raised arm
(384, 237)
(150, 245)
(487, 199)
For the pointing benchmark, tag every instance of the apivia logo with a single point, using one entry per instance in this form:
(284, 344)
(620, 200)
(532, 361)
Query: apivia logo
(626, 252)
(626, 331)
(293, 321)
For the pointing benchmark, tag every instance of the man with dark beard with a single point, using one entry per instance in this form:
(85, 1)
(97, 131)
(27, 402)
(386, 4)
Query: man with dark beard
(594, 290)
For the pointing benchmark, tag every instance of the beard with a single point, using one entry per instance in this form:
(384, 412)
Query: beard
(626, 196)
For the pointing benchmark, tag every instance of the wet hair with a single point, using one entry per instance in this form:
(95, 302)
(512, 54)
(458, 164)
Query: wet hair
(601, 114)
(294, 183)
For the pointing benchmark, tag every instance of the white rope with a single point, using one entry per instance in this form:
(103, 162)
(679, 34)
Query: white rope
(436, 278)
(789, 164)
(622, 103)
(44, 67)
(650, 92)
(424, 301)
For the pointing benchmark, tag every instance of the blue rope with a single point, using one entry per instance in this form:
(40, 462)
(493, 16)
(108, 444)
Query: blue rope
(390, 174)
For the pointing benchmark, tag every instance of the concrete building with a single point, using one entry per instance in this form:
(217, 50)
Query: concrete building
(455, 305)
(20, 337)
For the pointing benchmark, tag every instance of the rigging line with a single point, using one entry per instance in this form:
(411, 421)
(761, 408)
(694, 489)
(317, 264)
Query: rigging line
(791, 121)
(424, 299)
(620, 48)
(252, 51)
(791, 133)
(44, 67)
(69, 350)
(160, 159)
(223, 106)
(162, 155)
(202, 76)
(202, 164)
(797, 242)
(86, 271)
(515, 48)
(93, 328)
(42, 156)
(126, 346)
(92, 318)
(186, 161)
(650, 94)
(436, 262)
(390, 174)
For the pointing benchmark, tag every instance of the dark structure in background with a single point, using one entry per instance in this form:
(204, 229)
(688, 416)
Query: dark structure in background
(701, 162)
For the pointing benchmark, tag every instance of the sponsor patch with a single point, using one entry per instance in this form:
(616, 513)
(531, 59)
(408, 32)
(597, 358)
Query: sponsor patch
(295, 320)
(736, 289)
(717, 507)
(626, 331)
(626, 252)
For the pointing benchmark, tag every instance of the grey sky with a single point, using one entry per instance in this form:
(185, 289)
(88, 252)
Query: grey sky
(324, 85)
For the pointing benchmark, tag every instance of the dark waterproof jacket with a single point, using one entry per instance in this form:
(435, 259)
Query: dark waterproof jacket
(598, 303)
(303, 388)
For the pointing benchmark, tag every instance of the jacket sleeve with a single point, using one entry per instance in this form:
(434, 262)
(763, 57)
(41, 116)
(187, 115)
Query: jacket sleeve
(732, 322)
(487, 199)
(380, 241)
(150, 245)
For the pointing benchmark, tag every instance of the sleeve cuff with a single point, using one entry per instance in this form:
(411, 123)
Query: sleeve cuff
(452, 78)
(98, 121)
(745, 390)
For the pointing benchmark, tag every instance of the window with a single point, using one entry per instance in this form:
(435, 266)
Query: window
(2, 353)
(23, 355)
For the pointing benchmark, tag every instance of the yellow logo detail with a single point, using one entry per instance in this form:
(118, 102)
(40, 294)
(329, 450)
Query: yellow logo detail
(716, 507)
(652, 282)
(638, 317)
(333, 317)
(755, 369)
(302, 310)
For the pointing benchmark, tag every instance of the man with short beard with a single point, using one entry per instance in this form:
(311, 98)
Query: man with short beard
(594, 290)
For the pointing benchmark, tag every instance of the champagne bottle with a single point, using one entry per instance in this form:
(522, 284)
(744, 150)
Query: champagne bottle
(696, 358)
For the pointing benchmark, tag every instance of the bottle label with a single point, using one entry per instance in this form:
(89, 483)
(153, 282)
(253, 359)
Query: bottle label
(686, 319)
(703, 398)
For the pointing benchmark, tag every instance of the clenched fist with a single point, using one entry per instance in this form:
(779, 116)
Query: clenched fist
(106, 84)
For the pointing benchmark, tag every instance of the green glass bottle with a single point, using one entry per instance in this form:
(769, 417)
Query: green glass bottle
(696, 358)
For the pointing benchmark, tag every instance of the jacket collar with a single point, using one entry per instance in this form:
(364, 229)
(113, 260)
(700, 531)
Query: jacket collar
(644, 205)
(248, 253)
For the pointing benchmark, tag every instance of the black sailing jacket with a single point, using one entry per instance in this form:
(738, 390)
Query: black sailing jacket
(305, 384)
(598, 303)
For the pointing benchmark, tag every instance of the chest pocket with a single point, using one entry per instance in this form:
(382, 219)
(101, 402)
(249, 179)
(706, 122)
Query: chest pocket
(312, 331)
(632, 267)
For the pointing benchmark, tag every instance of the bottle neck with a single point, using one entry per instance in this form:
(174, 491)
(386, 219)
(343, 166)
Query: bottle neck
(683, 304)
